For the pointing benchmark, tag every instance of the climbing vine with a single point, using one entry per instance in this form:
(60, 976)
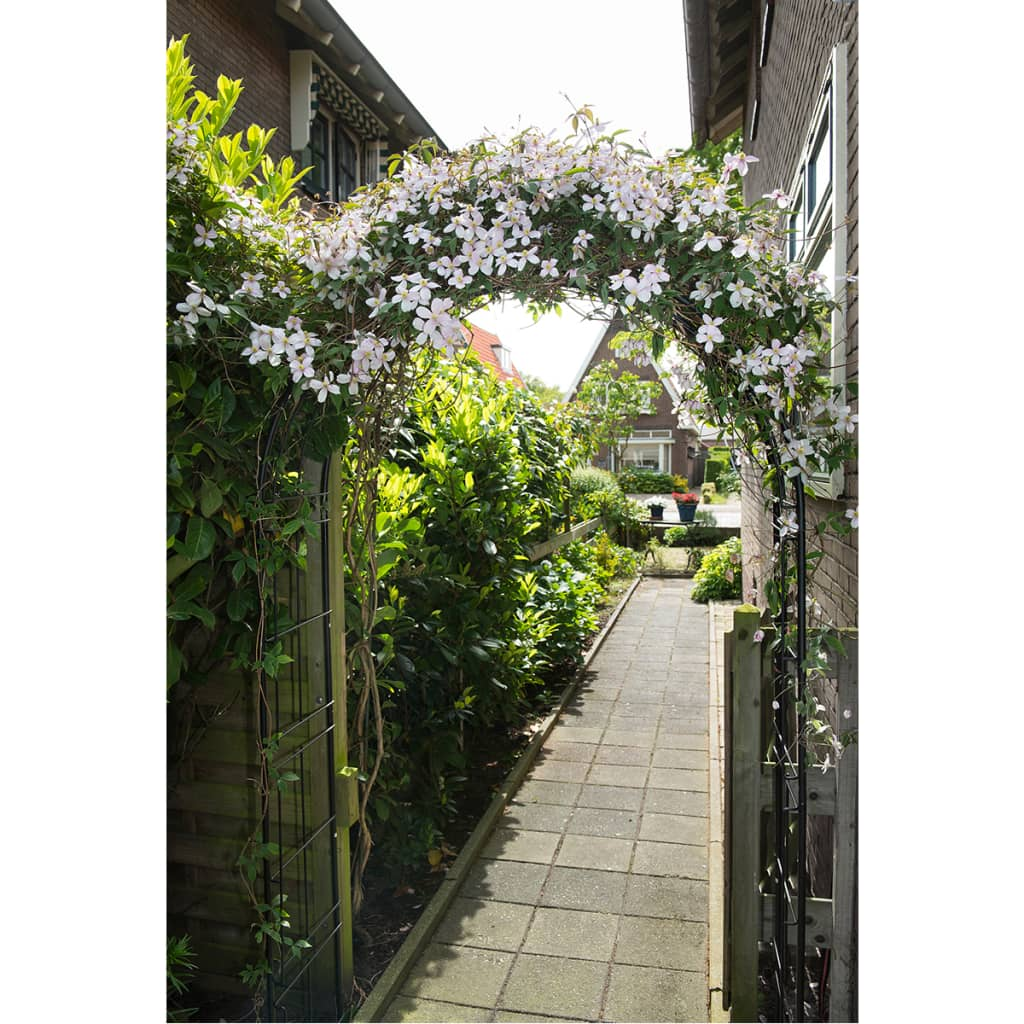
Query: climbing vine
(276, 309)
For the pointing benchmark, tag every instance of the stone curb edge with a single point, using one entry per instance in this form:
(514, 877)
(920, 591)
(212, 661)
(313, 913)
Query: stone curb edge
(394, 974)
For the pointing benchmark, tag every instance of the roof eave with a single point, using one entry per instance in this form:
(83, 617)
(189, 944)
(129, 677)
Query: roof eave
(320, 20)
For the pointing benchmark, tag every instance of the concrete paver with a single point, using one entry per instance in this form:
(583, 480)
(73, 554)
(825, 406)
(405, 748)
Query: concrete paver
(591, 899)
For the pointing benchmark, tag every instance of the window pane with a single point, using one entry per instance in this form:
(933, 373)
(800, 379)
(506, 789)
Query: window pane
(825, 265)
(819, 166)
(348, 162)
(642, 457)
(796, 229)
(318, 135)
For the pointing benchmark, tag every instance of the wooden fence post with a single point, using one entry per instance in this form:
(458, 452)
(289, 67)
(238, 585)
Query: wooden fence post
(339, 692)
(843, 988)
(744, 780)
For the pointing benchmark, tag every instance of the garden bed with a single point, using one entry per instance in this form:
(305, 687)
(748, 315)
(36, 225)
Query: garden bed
(390, 911)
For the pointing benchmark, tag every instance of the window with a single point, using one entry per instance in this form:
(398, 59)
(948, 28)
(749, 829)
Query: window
(817, 222)
(504, 357)
(334, 132)
(647, 449)
(642, 456)
(334, 157)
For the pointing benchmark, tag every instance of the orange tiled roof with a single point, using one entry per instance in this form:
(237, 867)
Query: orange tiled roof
(481, 342)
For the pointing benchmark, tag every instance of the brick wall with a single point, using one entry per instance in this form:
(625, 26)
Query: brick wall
(803, 35)
(241, 39)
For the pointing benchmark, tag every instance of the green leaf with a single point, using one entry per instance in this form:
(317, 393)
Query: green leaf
(199, 539)
(210, 498)
(174, 664)
(176, 565)
(239, 602)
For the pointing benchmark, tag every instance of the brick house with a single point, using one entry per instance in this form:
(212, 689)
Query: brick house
(662, 440)
(306, 74)
(785, 72)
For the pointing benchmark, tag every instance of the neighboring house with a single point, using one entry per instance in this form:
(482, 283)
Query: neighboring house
(493, 353)
(306, 74)
(785, 72)
(662, 440)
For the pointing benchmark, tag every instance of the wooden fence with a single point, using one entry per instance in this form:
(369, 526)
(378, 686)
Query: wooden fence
(552, 544)
(749, 910)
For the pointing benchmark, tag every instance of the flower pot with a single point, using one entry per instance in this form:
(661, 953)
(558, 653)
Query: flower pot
(686, 512)
(657, 512)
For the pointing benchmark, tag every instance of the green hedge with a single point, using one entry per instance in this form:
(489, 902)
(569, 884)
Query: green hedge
(713, 469)
(646, 481)
(473, 634)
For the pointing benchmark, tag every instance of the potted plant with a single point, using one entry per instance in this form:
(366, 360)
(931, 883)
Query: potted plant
(657, 510)
(687, 505)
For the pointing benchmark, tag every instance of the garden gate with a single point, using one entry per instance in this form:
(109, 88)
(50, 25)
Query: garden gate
(772, 804)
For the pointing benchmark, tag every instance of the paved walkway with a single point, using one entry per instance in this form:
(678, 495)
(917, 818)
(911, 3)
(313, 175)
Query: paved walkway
(590, 901)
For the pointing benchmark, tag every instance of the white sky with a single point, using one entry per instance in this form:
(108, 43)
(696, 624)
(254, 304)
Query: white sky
(473, 67)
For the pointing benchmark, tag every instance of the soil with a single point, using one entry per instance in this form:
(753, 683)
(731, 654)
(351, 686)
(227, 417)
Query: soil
(389, 912)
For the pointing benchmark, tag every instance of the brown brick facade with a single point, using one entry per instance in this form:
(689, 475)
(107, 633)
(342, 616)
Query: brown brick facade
(240, 39)
(803, 35)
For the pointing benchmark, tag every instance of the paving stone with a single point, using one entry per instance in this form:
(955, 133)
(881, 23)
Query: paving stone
(591, 702)
(681, 710)
(484, 923)
(653, 896)
(597, 821)
(615, 797)
(671, 859)
(673, 828)
(678, 778)
(586, 889)
(654, 994)
(539, 791)
(559, 771)
(597, 852)
(647, 942)
(516, 844)
(566, 750)
(536, 817)
(639, 713)
(509, 880)
(626, 737)
(458, 974)
(583, 935)
(622, 755)
(684, 741)
(576, 734)
(555, 985)
(676, 801)
(406, 1008)
(630, 776)
(642, 695)
(668, 758)
(586, 718)
(511, 1015)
